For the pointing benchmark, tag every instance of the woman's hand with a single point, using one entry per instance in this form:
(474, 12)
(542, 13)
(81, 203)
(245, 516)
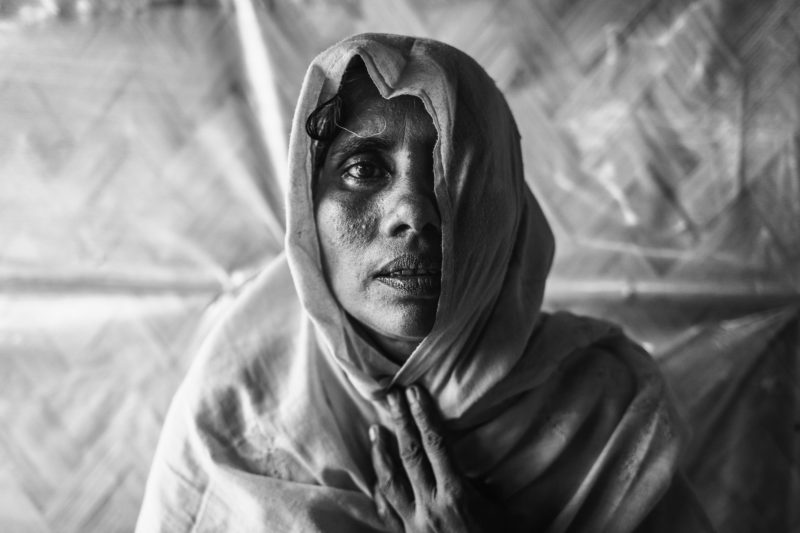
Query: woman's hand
(421, 490)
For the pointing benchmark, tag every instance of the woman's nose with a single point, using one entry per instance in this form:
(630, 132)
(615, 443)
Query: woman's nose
(411, 205)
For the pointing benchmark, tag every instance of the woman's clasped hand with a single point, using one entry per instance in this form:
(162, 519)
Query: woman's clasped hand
(418, 487)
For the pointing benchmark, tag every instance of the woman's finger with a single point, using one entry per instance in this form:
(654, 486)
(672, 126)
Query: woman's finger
(391, 481)
(387, 514)
(432, 434)
(409, 445)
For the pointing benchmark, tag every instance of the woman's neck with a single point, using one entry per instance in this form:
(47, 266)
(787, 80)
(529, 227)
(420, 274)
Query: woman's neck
(396, 349)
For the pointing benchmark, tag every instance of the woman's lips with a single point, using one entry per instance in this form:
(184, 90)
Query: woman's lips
(419, 285)
(413, 275)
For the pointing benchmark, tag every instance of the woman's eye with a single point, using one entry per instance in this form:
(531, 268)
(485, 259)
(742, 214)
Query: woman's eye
(364, 171)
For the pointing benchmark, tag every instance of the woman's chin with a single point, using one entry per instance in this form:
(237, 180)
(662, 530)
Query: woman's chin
(403, 328)
(396, 335)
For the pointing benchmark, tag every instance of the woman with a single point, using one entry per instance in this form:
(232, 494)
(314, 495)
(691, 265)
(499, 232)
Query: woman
(393, 372)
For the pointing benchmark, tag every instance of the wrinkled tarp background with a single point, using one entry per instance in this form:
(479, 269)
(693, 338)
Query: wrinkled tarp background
(141, 166)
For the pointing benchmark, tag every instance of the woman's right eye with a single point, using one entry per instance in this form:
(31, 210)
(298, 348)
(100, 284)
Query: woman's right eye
(364, 171)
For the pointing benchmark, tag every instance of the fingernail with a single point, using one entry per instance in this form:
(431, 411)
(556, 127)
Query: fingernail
(394, 401)
(380, 501)
(373, 433)
(412, 394)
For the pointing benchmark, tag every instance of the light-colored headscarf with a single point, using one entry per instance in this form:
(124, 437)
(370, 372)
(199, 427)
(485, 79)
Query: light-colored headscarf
(561, 418)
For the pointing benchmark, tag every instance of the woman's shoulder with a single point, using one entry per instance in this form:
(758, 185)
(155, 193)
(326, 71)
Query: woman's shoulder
(239, 376)
(248, 352)
(617, 384)
(258, 325)
(617, 371)
(569, 352)
(598, 347)
(217, 431)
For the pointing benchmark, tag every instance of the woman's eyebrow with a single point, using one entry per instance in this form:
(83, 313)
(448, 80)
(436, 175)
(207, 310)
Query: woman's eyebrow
(354, 144)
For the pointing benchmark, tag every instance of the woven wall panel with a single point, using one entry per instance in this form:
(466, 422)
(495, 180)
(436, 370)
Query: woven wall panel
(84, 384)
(131, 206)
(123, 140)
(649, 127)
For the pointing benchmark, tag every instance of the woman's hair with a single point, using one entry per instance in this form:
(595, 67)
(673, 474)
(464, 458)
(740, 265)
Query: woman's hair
(325, 122)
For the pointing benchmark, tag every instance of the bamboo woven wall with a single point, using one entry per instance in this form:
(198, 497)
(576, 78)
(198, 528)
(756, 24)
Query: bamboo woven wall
(139, 188)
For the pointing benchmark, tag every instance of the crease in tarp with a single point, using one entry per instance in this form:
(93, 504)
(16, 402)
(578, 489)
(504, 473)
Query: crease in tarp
(262, 78)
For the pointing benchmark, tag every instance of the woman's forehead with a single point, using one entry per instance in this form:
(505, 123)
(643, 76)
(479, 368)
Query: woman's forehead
(380, 111)
(392, 121)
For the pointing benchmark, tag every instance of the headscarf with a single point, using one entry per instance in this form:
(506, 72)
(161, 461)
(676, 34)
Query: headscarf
(561, 418)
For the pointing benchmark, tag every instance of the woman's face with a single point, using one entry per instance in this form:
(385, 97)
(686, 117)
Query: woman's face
(378, 220)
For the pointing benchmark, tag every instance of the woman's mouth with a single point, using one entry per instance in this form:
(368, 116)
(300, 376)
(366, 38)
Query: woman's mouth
(413, 275)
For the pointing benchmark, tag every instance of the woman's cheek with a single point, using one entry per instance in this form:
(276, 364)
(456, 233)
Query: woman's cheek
(349, 224)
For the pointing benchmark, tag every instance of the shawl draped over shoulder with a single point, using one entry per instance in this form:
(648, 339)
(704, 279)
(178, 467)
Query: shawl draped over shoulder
(562, 418)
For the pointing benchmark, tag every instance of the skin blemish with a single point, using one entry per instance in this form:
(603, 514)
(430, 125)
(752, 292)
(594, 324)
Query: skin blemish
(354, 226)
